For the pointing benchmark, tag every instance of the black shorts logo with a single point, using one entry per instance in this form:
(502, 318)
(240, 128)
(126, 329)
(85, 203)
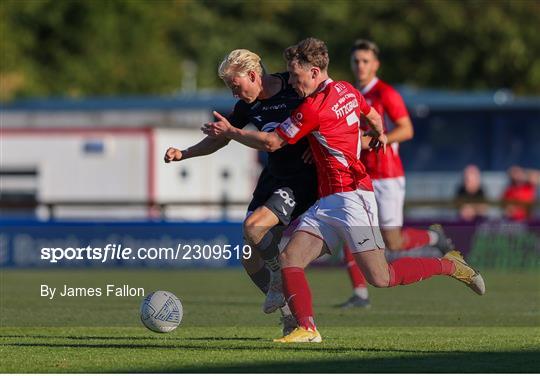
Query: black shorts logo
(286, 197)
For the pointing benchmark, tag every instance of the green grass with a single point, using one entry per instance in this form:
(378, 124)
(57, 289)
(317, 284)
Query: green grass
(437, 325)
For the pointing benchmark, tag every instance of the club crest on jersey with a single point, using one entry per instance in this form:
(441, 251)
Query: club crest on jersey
(339, 87)
(289, 128)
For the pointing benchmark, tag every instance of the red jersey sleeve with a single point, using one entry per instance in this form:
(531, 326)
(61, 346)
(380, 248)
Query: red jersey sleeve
(302, 121)
(393, 104)
(363, 105)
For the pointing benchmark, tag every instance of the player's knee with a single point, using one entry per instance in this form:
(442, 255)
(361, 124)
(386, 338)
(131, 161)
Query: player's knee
(393, 245)
(253, 231)
(286, 260)
(393, 242)
(380, 280)
(292, 260)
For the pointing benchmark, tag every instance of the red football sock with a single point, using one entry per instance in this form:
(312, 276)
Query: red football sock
(298, 295)
(407, 270)
(414, 238)
(355, 274)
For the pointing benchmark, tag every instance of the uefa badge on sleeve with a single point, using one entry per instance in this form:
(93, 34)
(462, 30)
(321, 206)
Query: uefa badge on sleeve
(289, 128)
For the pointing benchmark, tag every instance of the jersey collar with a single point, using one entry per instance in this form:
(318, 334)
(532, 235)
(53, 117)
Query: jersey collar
(323, 85)
(369, 86)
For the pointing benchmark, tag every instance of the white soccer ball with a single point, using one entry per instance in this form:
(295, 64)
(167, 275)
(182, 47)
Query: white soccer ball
(161, 312)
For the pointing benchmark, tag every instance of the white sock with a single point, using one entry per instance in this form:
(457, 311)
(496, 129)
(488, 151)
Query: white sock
(362, 292)
(433, 237)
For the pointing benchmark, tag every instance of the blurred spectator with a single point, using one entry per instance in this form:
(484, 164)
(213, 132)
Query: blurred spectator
(520, 193)
(470, 197)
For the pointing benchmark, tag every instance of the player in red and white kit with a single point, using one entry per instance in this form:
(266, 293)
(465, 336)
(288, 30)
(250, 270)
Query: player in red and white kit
(386, 169)
(346, 210)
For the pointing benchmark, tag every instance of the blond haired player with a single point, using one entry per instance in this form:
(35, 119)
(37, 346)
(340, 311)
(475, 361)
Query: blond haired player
(346, 210)
(287, 185)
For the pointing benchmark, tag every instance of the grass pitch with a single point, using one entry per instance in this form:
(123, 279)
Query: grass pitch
(437, 325)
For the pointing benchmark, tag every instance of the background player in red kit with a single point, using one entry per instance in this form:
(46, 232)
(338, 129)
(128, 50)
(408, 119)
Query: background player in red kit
(346, 210)
(385, 169)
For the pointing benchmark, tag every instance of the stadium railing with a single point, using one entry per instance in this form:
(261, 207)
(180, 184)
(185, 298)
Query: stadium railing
(159, 208)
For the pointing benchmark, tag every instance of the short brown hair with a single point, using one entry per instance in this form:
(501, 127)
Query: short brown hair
(308, 52)
(364, 44)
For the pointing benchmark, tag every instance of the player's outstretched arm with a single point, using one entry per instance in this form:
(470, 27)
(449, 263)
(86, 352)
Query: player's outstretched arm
(265, 141)
(208, 145)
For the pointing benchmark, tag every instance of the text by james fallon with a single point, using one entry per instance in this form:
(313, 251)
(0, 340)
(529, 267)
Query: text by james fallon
(65, 291)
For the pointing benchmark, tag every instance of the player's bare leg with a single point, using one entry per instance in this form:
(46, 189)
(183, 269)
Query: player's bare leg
(396, 239)
(410, 270)
(262, 233)
(360, 295)
(392, 238)
(257, 270)
(305, 247)
(261, 275)
(301, 250)
(256, 232)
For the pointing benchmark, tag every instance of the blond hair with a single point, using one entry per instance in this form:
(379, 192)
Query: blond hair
(239, 63)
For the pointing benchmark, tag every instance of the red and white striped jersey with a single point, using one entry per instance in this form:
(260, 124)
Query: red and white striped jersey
(388, 103)
(331, 119)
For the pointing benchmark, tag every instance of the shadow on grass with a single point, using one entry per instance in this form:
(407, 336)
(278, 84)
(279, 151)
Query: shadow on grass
(388, 360)
(266, 345)
(132, 338)
(217, 346)
(449, 362)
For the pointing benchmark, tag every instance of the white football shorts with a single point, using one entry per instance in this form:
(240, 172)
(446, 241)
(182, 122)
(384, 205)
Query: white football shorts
(390, 196)
(345, 218)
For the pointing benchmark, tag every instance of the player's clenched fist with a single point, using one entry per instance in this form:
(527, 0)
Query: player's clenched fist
(172, 154)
